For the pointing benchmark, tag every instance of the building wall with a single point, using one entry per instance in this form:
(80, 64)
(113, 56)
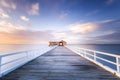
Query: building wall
(57, 43)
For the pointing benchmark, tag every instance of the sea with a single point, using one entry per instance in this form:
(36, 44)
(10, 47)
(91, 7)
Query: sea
(11, 48)
(108, 48)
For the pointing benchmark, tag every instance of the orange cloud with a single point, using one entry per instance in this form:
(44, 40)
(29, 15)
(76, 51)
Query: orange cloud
(7, 26)
(17, 34)
(25, 37)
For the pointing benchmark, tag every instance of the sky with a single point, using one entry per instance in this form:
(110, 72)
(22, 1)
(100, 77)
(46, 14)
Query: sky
(75, 21)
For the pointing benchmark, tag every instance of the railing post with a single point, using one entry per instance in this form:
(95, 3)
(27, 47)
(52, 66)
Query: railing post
(94, 56)
(85, 53)
(0, 66)
(117, 64)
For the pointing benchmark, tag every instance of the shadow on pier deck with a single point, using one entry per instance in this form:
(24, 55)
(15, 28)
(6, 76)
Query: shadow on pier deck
(60, 64)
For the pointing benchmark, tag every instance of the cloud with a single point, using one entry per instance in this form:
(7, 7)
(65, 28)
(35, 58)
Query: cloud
(112, 37)
(92, 13)
(3, 14)
(109, 21)
(98, 32)
(24, 18)
(33, 9)
(105, 31)
(67, 35)
(109, 25)
(25, 37)
(8, 4)
(63, 15)
(59, 35)
(18, 34)
(109, 2)
(8, 27)
(85, 28)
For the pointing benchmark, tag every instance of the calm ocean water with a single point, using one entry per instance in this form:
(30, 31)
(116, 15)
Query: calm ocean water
(110, 48)
(4, 49)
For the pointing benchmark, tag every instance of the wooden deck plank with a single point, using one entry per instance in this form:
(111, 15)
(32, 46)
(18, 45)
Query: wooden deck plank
(60, 64)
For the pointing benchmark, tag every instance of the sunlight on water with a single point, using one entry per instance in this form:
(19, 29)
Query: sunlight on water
(21, 47)
(110, 48)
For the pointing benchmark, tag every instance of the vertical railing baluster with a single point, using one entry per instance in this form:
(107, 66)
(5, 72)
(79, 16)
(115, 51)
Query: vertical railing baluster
(94, 56)
(117, 64)
(85, 53)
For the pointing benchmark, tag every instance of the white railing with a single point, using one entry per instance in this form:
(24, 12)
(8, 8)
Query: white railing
(11, 61)
(108, 61)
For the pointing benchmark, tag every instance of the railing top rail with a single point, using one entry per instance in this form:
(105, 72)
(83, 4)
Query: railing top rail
(104, 53)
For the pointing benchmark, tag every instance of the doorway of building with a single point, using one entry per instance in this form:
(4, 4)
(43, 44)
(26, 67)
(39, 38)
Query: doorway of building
(60, 43)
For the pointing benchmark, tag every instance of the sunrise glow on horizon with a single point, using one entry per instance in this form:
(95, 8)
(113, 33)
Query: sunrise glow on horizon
(75, 21)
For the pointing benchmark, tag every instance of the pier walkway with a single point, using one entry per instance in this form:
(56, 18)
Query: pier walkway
(60, 64)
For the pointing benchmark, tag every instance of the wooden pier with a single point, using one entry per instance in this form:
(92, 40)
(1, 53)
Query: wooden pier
(60, 64)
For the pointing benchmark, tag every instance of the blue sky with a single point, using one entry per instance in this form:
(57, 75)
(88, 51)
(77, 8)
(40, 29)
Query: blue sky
(76, 21)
